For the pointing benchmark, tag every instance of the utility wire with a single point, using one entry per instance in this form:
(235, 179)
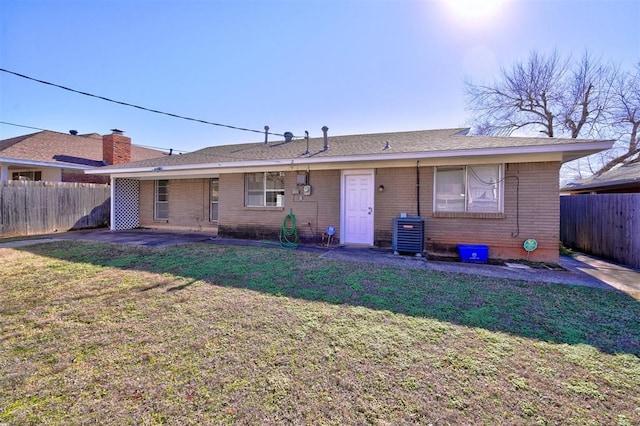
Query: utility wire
(138, 106)
(26, 127)
(216, 155)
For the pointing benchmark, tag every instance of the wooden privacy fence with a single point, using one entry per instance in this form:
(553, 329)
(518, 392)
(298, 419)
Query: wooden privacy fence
(605, 225)
(31, 208)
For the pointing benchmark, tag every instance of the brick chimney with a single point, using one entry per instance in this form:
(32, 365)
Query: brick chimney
(116, 148)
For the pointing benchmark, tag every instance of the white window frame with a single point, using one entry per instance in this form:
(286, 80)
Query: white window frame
(214, 198)
(264, 191)
(493, 191)
(157, 201)
(27, 175)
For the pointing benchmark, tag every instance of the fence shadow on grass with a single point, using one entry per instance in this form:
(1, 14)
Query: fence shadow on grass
(605, 319)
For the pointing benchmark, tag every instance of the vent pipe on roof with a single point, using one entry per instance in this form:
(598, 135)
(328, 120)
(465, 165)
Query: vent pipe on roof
(325, 129)
(306, 136)
(73, 132)
(288, 136)
(266, 134)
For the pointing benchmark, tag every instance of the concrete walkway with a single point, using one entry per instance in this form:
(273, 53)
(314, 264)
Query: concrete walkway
(137, 237)
(580, 270)
(619, 276)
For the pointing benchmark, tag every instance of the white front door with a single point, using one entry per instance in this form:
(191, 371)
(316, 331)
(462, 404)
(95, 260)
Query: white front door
(357, 207)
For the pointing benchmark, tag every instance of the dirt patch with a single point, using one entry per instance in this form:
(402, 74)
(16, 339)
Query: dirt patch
(499, 262)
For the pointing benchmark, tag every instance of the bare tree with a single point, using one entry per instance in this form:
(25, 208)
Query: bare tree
(558, 97)
(625, 120)
(525, 96)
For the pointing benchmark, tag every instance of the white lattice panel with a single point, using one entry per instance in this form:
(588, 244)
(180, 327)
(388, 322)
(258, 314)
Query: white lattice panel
(126, 204)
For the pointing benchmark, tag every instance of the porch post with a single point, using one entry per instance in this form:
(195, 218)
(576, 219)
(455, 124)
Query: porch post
(112, 219)
(4, 172)
(125, 203)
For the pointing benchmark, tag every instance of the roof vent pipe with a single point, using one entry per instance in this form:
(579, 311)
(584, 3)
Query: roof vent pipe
(73, 132)
(266, 134)
(325, 129)
(306, 136)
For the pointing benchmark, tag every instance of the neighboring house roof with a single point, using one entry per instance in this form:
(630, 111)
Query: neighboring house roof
(53, 149)
(400, 146)
(626, 176)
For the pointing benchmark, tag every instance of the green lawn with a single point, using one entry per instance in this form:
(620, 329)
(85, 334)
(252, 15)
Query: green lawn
(209, 334)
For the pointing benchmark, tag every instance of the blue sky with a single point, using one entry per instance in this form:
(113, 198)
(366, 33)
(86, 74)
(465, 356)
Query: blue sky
(356, 66)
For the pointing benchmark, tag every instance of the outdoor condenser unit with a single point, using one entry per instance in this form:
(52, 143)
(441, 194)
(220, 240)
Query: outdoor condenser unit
(408, 235)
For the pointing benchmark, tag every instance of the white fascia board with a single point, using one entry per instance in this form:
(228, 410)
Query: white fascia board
(32, 163)
(193, 169)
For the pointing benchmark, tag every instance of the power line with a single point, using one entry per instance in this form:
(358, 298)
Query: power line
(140, 107)
(22, 125)
(216, 155)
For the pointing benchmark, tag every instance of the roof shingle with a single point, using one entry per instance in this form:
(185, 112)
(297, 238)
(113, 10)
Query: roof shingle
(623, 175)
(65, 149)
(418, 142)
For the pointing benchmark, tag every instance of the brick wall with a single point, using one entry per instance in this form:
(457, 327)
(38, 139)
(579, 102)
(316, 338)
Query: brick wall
(313, 213)
(531, 210)
(116, 149)
(79, 176)
(188, 204)
(537, 214)
(399, 196)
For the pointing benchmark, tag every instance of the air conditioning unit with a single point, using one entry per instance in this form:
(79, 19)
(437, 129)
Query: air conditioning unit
(408, 235)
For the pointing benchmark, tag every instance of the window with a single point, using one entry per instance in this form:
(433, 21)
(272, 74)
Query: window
(26, 176)
(214, 197)
(474, 189)
(161, 200)
(264, 189)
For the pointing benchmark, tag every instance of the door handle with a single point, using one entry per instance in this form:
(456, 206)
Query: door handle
(370, 210)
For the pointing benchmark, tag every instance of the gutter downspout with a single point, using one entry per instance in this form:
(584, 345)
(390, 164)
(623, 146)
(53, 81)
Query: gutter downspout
(418, 186)
(112, 227)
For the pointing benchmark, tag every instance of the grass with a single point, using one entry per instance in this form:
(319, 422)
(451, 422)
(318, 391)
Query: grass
(208, 334)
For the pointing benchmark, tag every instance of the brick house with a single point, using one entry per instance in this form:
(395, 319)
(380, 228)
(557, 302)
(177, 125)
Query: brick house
(495, 191)
(59, 157)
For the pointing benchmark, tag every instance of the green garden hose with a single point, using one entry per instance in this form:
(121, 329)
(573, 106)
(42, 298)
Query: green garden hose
(289, 234)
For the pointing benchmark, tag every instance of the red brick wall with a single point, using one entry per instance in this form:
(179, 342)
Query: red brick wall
(79, 176)
(116, 149)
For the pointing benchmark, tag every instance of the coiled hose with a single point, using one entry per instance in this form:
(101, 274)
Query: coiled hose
(289, 233)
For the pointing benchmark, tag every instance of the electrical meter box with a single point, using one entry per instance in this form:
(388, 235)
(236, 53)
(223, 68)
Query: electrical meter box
(306, 190)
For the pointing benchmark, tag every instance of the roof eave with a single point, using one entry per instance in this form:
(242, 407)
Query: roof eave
(42, 163)
(603, 185)
(569, 151)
